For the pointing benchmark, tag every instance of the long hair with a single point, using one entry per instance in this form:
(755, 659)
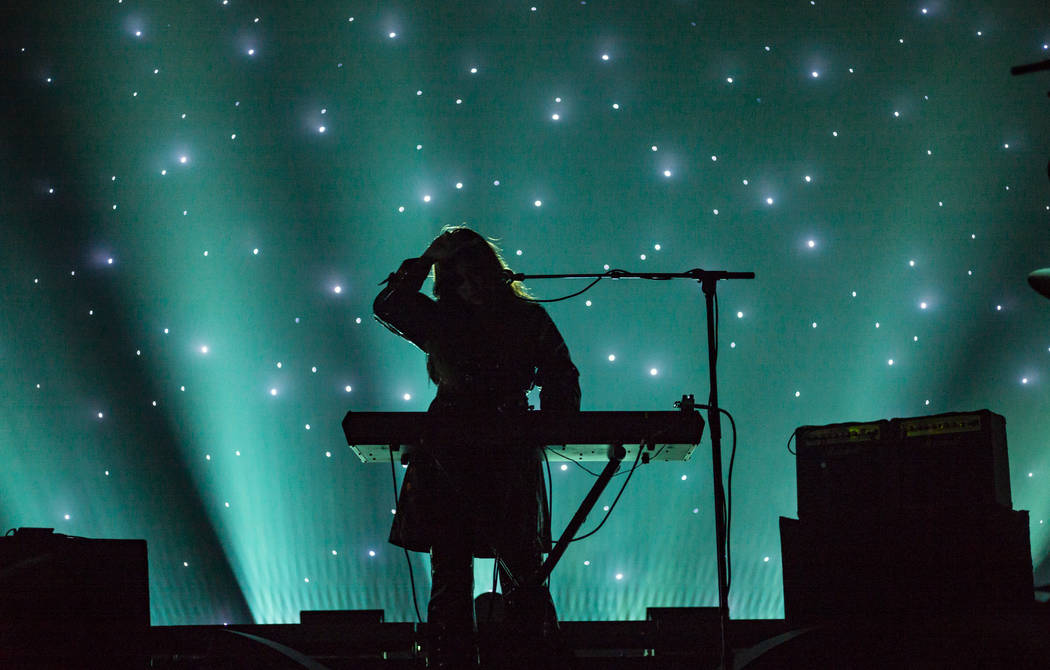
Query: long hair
(482, 257)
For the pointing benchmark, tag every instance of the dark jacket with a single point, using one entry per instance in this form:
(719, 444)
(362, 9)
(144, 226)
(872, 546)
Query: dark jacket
(485, 359)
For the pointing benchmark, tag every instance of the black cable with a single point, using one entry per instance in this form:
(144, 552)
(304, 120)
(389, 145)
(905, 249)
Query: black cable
(727, 494)
(573, 461)
(630, 472)
(793, 436)
(729, 488)
(592, 473)
(729, 502)
(408, 559)
(550, 488)
(716, 329)
(550, 504)
(564, 297)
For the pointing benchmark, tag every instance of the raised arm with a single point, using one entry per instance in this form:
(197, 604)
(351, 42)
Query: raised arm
(402, 308)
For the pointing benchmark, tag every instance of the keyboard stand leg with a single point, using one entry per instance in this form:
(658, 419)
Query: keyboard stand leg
(616, 454)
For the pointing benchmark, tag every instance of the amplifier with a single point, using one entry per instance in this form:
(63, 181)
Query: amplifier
(880, 470)
(954, 460)
(845, 470)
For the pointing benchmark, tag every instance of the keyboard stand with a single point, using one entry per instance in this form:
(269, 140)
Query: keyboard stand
(616, 453)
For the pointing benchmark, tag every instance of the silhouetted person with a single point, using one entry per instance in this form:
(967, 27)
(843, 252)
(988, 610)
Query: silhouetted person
(486, 348)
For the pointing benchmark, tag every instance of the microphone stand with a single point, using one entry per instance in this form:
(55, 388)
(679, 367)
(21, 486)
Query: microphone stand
(1040, 279)
(708, 281)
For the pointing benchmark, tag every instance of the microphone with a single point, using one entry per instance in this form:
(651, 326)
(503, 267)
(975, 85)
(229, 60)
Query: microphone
(1030, 67)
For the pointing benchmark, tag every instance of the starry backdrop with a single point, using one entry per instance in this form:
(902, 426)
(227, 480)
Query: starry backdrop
(198, 200)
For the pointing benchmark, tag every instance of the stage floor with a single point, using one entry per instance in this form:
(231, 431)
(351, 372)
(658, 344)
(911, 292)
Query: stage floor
(689, 639)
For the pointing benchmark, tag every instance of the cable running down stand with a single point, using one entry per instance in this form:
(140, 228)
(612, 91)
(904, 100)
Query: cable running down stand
(708, 281)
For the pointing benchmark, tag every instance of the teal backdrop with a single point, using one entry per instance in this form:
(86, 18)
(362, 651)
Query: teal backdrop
(198, 200)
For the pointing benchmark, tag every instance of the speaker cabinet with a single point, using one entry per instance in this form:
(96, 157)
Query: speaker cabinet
(930, 560)
(50, 582)
(953, 460)
(845, 471)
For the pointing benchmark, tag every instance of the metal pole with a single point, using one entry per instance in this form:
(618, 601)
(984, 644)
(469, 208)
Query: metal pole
(715, 423)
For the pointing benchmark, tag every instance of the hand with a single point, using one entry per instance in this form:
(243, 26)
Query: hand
(439, 250)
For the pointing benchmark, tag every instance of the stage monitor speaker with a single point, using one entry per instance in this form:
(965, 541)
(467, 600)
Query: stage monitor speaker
(58, 582)
(878, 471)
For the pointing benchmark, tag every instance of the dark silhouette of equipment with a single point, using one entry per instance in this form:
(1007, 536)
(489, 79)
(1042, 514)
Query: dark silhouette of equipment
(667, 435)
(582, 436)
(882, 470)
(1031, 67)
(65, 598)
(903, 516)
(1040, 281)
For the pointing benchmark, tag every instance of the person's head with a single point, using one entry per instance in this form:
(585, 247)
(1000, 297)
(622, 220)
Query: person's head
(473, 271)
